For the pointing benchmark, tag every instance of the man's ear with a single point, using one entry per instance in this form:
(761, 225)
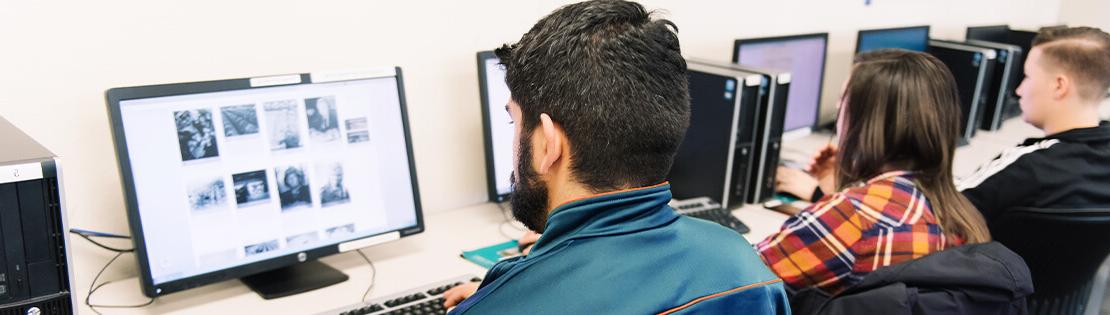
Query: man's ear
(1062, 87)
(552, 143)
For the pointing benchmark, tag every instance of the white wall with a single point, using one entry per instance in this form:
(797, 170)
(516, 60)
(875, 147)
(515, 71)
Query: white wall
(1095, 13)
(57, 59)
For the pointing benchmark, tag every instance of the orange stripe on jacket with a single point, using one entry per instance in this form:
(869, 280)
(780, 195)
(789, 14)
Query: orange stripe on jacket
(698, 300)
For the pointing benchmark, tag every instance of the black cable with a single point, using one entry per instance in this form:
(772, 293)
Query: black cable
(106, 247)
(373, 274)
(93, 287)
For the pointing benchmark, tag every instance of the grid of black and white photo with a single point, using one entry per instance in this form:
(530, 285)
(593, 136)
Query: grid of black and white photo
(196, 134)
(279, 125)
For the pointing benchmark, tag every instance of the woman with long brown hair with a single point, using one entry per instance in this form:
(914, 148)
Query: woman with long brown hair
(896, 201)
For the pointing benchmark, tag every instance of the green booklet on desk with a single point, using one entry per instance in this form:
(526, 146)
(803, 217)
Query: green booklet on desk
(490, 255)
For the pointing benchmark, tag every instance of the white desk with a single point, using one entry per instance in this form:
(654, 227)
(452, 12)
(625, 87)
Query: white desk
(413, 261)
(434, 254)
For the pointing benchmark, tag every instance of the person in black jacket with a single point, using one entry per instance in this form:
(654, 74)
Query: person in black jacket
(1067, 77)
(972, 279)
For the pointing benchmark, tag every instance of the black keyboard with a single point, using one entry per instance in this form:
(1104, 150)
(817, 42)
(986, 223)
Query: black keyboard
(704, 209)
(722, 217)
(426, 299)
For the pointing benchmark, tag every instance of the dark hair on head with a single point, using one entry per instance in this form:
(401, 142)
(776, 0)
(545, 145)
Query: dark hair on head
(293, 171)
(614, 79)
(1083, 52)
(902, 112)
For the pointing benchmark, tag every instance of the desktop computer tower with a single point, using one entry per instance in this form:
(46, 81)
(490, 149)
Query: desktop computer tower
(1001, 101)
(772, 116)
(1002, 34)
(35, 274)
(717, 152)
(768, 120)
(972, 68)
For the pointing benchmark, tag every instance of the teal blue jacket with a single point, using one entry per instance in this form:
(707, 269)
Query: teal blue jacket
(628, 252)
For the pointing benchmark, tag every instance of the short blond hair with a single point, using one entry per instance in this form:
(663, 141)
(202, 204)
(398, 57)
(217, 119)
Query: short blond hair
(1083, 52)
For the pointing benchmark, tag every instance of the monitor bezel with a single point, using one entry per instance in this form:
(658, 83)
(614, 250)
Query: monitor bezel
(1003, 27)
(861, 33)
(824, 64)
(116, 95)
(487, 131)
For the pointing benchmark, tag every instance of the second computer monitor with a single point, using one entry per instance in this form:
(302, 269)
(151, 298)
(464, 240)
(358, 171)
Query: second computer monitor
(497, 125)
(804, 57)
(915, 38)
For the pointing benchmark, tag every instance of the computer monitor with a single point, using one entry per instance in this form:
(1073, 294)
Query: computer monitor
(915, 38)
(496, 126)
(991, 33)
(803, 56)
(1004, 35)
(256, 178)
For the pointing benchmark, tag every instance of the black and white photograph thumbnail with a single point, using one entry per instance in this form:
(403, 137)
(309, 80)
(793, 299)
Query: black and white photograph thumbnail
(251, 188)
(323, 121)
(207, 194)
(341, 231)
(293, 188)
(285, 130)
(333, 191)
(357, 130)
(196, 134)
(302, 239)
(240, 120)
(255, 249)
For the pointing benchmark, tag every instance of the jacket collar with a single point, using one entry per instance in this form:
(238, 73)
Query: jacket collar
(617, 212)
(1100, 134)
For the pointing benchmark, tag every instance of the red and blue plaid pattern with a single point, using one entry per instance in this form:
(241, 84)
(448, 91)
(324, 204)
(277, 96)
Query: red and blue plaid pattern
(835, 242)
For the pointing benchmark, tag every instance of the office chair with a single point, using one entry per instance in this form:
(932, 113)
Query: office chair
(1063, 248)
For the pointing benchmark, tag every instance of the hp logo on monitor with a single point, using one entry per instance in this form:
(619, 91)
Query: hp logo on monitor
(302, 257)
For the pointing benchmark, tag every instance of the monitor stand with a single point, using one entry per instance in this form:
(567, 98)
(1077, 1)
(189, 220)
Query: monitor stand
(299, 278)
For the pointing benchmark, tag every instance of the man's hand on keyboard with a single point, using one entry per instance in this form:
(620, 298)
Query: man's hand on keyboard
(456, 295)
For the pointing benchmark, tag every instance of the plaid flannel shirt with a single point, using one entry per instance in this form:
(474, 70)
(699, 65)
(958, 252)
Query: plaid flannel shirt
(835, 242)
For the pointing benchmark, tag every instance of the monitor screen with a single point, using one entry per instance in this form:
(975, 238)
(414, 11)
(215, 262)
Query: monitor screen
(908, 38)
(498, 125)
(1023, 39)
(804, 57)
(240, 175)
(993, 33)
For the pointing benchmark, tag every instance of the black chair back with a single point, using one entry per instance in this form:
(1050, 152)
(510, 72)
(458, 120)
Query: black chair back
(1063, 249)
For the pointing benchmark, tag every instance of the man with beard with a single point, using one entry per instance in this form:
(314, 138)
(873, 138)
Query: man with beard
(599, 105)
